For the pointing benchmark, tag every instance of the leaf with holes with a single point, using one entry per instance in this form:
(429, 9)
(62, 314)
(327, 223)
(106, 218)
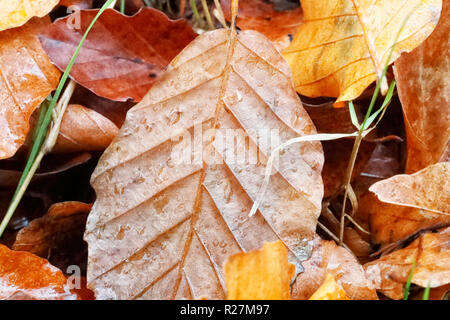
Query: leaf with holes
(175, 188)
(343, 45)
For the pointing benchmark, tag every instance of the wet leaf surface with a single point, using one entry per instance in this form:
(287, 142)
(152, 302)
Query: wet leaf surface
(178, 224)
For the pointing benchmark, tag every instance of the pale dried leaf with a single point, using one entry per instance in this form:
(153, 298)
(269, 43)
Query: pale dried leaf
(428, 189)
(161, 229)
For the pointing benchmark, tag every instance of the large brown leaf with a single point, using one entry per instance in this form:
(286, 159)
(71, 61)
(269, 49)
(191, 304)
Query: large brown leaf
(123, 56)
(162, 229)
(260, 16)
(424, 90)
(26, 78)
(431, 253)
(343, 45)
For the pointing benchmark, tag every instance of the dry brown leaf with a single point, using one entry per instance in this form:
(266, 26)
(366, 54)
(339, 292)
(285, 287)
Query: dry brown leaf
(431, 252)
(57, 236)
(424, 90)
(343, 45)
(83, 129)
(162, 229)
(123, 56)
(388, 222)
(411, 203)
(26, 78)
(328, 258)
(259, 275)
(428, 189)
(329, 290)
(24, 275)
(260, 16)
(16, 13)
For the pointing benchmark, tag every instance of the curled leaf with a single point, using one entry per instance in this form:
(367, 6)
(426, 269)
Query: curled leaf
(259, 275)
(83, 129)
(16, 13)
(428, 189)
(58, 235)
(343, 45)
(431, 253)
(168, 215)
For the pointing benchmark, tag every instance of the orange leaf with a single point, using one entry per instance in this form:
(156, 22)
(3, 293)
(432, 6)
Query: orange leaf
(329, 290)
(26, 275)
(259, 275)
(343, 45)
(26, 78)
(258, 15)
(16, 13)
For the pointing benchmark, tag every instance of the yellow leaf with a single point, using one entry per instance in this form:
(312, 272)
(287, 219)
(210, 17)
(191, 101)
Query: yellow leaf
(329, 290)
(343, 45)
(259, 275)
(16, 13)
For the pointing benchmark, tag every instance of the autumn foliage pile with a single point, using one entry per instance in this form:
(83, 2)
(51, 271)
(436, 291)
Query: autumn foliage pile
(355, 206)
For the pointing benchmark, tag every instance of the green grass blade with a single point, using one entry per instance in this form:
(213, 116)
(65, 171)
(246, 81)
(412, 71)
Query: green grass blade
(42, 130)
(122, 6)
(385, 104)
(408, 282)
(353, 116)
(426, 293)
